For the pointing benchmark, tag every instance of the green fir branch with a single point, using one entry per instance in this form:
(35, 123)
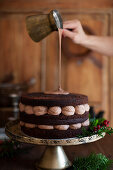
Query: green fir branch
(93, 123)
(92, 162)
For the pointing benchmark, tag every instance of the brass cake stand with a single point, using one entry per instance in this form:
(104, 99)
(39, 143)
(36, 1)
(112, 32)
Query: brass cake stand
(54, 157)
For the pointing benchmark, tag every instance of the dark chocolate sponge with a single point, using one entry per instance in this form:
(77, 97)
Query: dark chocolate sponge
(53, 120)
(42, 99)
(52, 134)
(49, 100)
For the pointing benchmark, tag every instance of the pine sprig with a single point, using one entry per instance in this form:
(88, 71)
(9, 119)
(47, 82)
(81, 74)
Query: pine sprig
(94, 123)
(107, 130)
(92, 162)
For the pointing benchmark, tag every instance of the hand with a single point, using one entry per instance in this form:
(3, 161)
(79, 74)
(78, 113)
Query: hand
(77, 34)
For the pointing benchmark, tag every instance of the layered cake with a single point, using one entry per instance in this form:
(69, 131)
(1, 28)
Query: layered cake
(53, 116)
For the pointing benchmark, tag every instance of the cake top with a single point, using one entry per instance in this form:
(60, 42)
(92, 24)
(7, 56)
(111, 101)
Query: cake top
(42, 99)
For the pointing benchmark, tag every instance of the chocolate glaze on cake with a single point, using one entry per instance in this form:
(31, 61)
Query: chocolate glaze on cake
(58, 115)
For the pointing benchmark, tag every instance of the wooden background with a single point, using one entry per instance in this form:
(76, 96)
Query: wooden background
(91, 74)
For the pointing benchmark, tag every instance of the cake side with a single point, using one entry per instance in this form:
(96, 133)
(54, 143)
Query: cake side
(53, 116)
(52, 134)
(49, 100)
(53, 119)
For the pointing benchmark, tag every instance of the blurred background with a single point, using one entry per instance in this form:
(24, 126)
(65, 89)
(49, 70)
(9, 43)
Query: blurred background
(26, 66)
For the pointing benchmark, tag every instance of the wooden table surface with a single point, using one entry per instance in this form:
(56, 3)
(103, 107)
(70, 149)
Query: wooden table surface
(26, 161)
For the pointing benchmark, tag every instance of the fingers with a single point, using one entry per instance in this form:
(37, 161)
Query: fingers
(71, 21)
(67, 33)
(72, 24)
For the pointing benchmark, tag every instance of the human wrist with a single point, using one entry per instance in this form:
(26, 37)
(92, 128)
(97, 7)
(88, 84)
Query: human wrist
(86, 40)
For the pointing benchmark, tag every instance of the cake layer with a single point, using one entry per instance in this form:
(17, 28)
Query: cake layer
(52, 134)
(49, 100)
(53, 120)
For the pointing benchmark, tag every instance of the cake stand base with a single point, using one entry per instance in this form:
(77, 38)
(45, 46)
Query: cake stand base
(54, 157)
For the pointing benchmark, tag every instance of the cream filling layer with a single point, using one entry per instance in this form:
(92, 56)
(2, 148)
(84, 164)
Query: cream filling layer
(56, 110)
(68, 110)
(39, 110)
(58, 127)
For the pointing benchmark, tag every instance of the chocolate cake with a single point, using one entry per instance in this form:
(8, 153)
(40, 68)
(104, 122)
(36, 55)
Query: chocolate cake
(53, 116)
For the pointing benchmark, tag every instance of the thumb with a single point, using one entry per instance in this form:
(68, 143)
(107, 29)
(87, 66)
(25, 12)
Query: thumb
(68, 34)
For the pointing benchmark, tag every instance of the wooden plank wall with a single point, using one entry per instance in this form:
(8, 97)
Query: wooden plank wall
(37, 5)
(19, 55)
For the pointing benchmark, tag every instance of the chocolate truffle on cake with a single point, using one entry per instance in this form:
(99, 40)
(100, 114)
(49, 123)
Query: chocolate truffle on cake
(53, 116)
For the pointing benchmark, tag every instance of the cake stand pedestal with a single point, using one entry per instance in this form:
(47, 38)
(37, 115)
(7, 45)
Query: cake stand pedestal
(54, 157)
